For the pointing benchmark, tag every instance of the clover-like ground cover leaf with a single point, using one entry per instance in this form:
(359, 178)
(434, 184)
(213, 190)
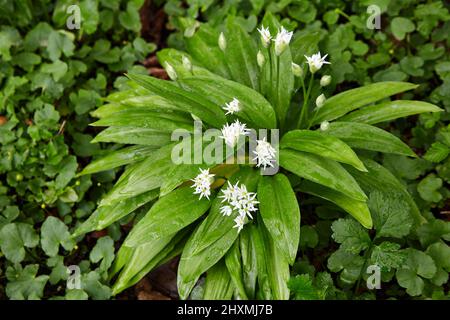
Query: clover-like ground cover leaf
(14, 237)
(429, 187)
(440, 252)
(433, 231)
(103, 251)
(53, 234)
(418, 266)
(23, 283)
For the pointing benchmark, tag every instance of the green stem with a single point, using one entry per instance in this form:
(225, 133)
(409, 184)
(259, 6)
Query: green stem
(364, 266)
(304, 113)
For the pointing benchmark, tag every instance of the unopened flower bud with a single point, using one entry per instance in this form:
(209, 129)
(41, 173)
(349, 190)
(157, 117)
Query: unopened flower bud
(324, 125)
(222, 42)
(320, 100)
(325, 80)
(297, 70)
(260, 59)
(187, 63)
(171, 72)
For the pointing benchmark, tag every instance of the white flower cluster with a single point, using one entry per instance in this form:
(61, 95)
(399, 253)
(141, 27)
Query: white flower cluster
(238, 200)
(232, 132)
(265, 153)
(202, 183)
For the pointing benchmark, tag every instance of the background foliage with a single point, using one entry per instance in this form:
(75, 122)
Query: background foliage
(52, 77)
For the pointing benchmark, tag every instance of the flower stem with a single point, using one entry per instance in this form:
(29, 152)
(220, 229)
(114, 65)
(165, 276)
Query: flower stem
(304, 112)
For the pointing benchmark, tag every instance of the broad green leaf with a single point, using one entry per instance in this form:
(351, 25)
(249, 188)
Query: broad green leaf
(135, 259)
(53, 234)
(322, 171)
(249, 262)
(358, 209)
(379, 178)
(273, 267)
(389, 111)
(233, 261)
(147, 119)
(256, 111)
(14, 237)
(106, 215)
(364, 136)
(193, 265)
(280, 213)
(134, 135)
(142, 177)
(218, 284)
(168, 215)
(118, 158)
(282, 83)
(349, 100)
(240, 55)
(323, 145)
(175, 59)
(170, 251)
(183, 99)
(204, 48)
(136, 102)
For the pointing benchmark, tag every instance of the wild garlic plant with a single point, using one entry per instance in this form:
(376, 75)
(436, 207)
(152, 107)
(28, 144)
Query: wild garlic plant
(230, 220)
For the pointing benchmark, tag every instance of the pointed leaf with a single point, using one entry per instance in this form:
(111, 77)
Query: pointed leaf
(280, 213)
(349, 100)
(322, 171)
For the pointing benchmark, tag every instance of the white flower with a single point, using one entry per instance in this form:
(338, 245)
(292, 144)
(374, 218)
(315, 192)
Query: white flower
(230, 192)
(320, 100)
(282, 40)
(232, 107)
(222, 42)
(240, 221)
(171, 72)
(297, 70)
(324, 125)
(265, 36)
(316, 62)
(260, 59)
(265, 153)
(232, 132)
(202, 183)
(226, 210)
(325, 80)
